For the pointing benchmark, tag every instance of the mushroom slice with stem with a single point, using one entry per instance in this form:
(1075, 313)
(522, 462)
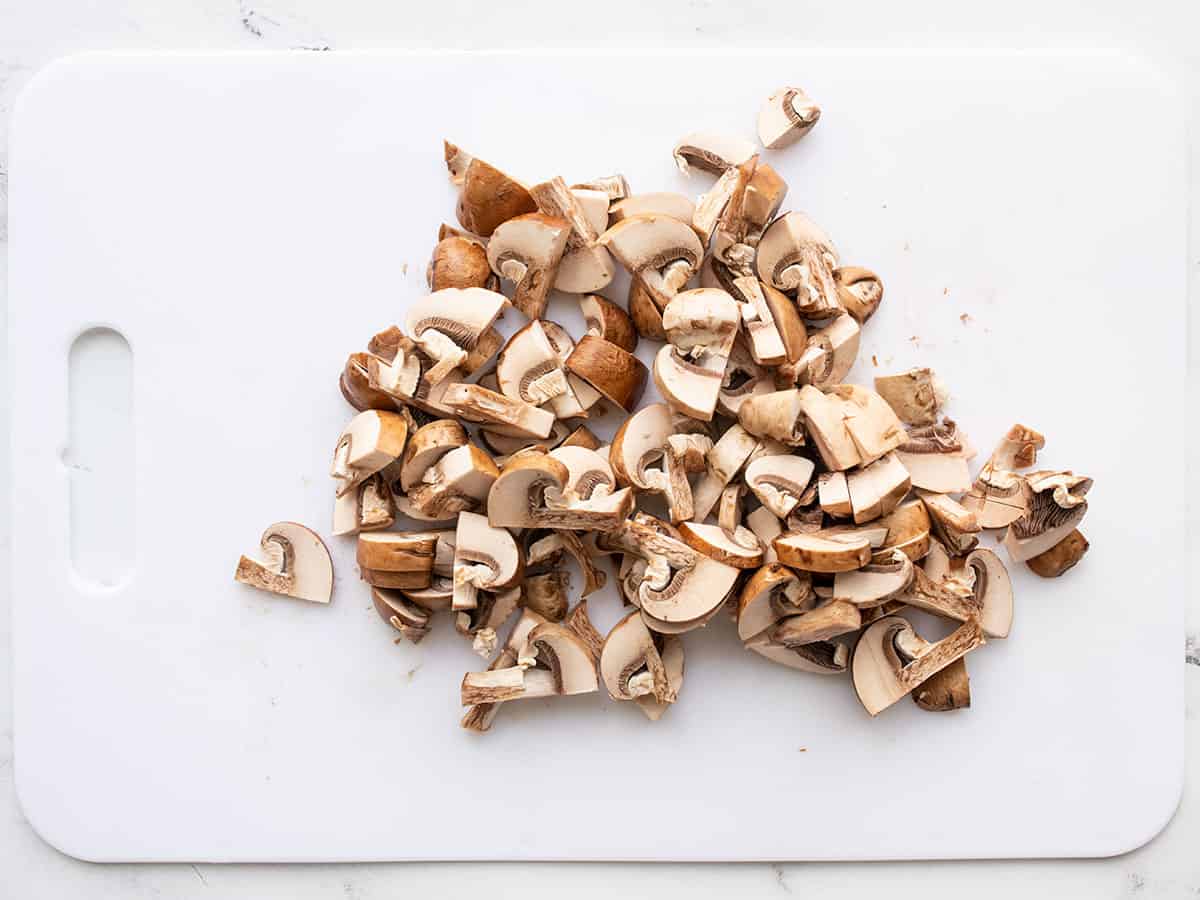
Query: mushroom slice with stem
(823, 552)
(428, 444)
(739, 549)
(411, 620)
(1061, 557)
(713, 153)
(447, 324)
(606, 320)
(724, 461)
(877, 488)
(530, 370)
(1057, 504)
(936, 459)
(665, 203)
(779, 481)
(661, 251)
(399, 560)
(891, 659)
(372, 440)
(788, 115)
(560, 651)
(976, 586)
(702, 321)
(828, 356)
(769, 595)
(876, 582)
(778, 415)
(798, 258)
(916, 396)
(526, 250)
(489, 197)
(859, 290)
(690, 386)
(366, 508)
(631, 665)
(459, 262)
(533, 491)
(820, 658)
(955, 526)
(588, 474)
(458, 481)
(946, 690)
(615, 187)
(503, 414)
(584, 267)
(480, 716)
(616, 374)
(764, 334)
(295, 564)
(485, 557)
(999, 495)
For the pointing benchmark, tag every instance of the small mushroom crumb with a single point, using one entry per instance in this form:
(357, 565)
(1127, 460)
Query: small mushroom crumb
(747, 472)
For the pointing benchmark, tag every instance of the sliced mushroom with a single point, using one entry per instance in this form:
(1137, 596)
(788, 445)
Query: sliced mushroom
(459, 263)
(372, 440)
(726, 458)
(426, 446)
(559, 650)
(526, 250)
(583, 267)
(907, 530)
(690, 386)
(489, 197)
(820, 658)
(530, 370)
(891, 660)
(946, 690)
(661, 251)
(492, 610)
(1057, 505)
(955, 526)
(434, 598)
(778, 415)
(779, 481)
(616, 374)
(711, 152)
(877, 488)
(916, 396)
(830, 619)
(766, 528)
(631, 665)
(448, 323)
(722, 204)
(505, 445)
(546, 595)
(999, 495)
(798, 258)
(366, 508)
(615, 187)
(769, 595)
(485, 557)
(677, 206)
(823, 551)
(788, 115)
(828, 355)
(1061, 557)
(396, 559)
(936, 458)
(295, 564)
(606, 320)
(478, 404)
(534, 491)
(876, 582)
(976, 586)
(355, 385)
(480, 716)
(458, 481)
(411, 620)
(740, 549)
(644, 312)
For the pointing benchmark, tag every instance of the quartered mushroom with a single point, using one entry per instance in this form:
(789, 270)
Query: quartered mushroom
(584, 267)
(908, 527)
(526, 251)
(459, 481)
(616, 374)
(691, 386)
(891, 659)
(658, 250)
(485, 558)
(295, 564)
(398, 560)
(916, 396)
(408, 618)
(779, 481)
(877, 488)
(702, 321)
(788, 115)
(529, 369)
(975, 586)
(859, 291)
(770, 594)
(365, 508)
(796, 256)
(447, 324)
(459, 262)
(1057, 504)
(713, 153)
(999, 495)
(818, 658)
(489, 197)
(608, 321)
(774, 331)
(372, 440)
(636, 662)
(718, 213)
(644, 311)
(850, 425)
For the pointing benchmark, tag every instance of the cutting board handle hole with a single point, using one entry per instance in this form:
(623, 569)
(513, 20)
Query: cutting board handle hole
(98, 459)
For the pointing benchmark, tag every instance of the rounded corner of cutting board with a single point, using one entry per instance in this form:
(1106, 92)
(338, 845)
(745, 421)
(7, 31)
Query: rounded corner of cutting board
(56, 830)
(1150, 821)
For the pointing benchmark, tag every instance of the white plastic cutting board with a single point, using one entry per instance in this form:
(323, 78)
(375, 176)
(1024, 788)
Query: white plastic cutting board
(246, 220)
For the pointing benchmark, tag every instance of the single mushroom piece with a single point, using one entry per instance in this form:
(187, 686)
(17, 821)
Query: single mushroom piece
(999, 495)
(537, 490)
(739, 549)
(447, 324)
(398, 560)
(702, 321)
(955, 526)
(877, 488)
(459, 263)
(824, 419)
(833, 494)
(820, 658)
(976, 586)
(664, 203)
(295, 564)
(916, 396)
(503, 414)
(720, 207)
(788, 115)
(823, 551)
(526, 250)
(615, 187)
(876, 582)
(644, 312)
(530, 370)
(616, 374)
(743, 379)
(828, 356)
(546, 594)
(769, 595)
(725, 460)
(946, 690)
(873, 426)
(690, 386)
(771, 341)
(713, 153)
(560, 651)
(779, 481)
(778, 415)
(762, 201)
(891, 659)
(631, 664)
(1057, 504)
(936, 458)
(584, 267)
(505, 445)
(660, 251)
(485, 557)
(428, 444)
(798, 258)
(366, 508)
(355, 385)
(373, 439)
(608, 321)
(648, 455)
(1062, 556)
(828, 620)
(908, 528)
(459, 481)
(411, 620)
(489, 197)
(859, 291)
(457, 161)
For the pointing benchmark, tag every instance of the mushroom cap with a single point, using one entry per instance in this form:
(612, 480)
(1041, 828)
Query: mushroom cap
(786, 116)
(1060, 558)
(859, 290)
(993, 590)
(820, 658)
(639, 443)
(690, 387)
(477, 542)
(703, 317)
(663, 203)
(371, 440)
(823, 552)
(831, 351)
(489, 198)
(618, 375)
(876, 582)
(529, 369)
(565, 654)
(534, 239)
(647, 244)
(876, 664)
(458, 262)
(672, 663)
(607, 320)
(711, 152)
(520, 488)
(587, 471)
(297, 564)
(778, 481)
(462, 314)
(428, 444)
(715, 543)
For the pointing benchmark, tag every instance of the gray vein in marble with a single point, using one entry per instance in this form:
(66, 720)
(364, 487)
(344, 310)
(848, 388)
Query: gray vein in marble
(1191, 651)
(280, 30)
(780, 879)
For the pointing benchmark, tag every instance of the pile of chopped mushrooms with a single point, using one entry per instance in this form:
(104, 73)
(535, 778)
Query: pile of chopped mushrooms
(816, 512)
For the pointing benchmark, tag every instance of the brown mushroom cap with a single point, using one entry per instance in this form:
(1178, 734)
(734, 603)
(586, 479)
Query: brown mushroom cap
(426, 446)
(356, 387)
(740, 550)
(822, 552)
(618, 375)
(489, 198)
(459, 263)
(608, 321)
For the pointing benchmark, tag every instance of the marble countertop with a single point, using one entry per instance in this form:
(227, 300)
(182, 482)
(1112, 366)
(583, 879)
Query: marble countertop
(1164, 31)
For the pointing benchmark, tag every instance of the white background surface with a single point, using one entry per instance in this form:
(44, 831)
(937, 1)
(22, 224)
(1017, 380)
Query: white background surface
(30, 36)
